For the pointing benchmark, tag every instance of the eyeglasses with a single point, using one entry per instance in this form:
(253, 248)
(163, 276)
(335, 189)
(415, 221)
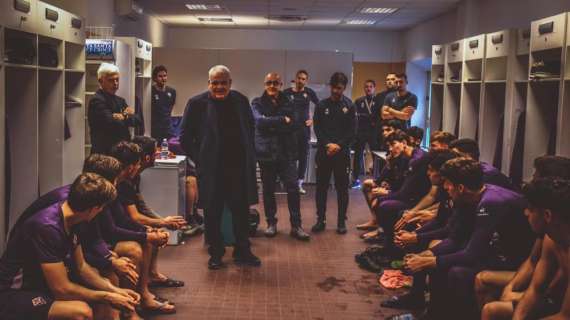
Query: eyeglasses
(219, 83)
(275, 83)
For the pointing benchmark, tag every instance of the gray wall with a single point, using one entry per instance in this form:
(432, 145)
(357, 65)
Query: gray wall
(385, 46)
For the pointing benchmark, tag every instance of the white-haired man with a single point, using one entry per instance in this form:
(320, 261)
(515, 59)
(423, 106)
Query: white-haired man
(218, 134)
(108, 115)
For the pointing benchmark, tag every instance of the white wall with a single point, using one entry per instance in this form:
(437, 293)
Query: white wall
(417, 83)
(387, 46)
(472, 17)
(101, 13)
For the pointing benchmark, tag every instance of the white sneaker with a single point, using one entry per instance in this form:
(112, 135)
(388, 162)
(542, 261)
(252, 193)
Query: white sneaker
(301, 190)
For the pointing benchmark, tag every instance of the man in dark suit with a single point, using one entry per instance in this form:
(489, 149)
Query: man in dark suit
(109, 116)
(218, 135)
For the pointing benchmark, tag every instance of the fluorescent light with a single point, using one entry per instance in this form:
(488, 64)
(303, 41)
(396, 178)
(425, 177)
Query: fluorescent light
(203, 7)
(379, 10)
(215, 19)
(360, 22)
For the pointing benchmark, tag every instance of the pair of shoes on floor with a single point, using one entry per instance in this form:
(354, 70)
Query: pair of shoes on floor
(321, 225)
(367, 226)
(192, 230)
(297, 232)
(242, 259)
(410, 301)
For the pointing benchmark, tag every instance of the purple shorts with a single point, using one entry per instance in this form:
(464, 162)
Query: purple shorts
(24, 304)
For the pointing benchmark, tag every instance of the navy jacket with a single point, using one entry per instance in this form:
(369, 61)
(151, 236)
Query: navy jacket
(104, 130)
(273, 137)
(334, 122)
(200, 140)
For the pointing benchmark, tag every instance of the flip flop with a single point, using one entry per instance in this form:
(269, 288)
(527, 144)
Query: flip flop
(161, 308)
(162, 300)
(167, 283)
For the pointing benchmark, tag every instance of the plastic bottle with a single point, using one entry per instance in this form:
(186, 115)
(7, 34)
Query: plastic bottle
(164, 149)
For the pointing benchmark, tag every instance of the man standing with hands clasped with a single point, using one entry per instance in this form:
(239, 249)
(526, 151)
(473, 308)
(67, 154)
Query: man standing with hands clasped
(276, 150)
(334, 122)
(109, 115)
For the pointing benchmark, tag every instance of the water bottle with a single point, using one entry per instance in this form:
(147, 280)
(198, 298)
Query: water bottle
(164, 149)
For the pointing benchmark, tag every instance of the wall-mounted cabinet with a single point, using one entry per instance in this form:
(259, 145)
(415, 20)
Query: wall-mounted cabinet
(19, 14)
(142, 86)
(548, 33)
(438, 55)
(523, 41)
(41, 78)
(51, 21)
(451, 103)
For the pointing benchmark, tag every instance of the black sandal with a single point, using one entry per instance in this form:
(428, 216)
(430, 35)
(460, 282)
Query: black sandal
(167, 283)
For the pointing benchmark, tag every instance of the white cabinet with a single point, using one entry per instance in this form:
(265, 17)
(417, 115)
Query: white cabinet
(75, 29)
(548, 33)
(475, 47)
(455, 52)
(498, 44)
(19, 14)
(438, 55)
(523, 41)
(51, 21)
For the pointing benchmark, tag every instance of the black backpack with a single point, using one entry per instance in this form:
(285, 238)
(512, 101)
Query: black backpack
(20, 50)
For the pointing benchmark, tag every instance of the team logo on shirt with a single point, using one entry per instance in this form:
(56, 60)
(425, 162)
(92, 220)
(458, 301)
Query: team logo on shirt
(327, 111)
(482, 212)
(292, 97)
(156, 97)
(345, 110)
(169, 94)
(38, 301)
(305, 95)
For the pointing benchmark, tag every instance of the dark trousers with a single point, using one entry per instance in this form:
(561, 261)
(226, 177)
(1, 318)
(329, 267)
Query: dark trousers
(326, 166)
(236, 201)
(286, 170)
(358, 146)
(452, 293)
(387, 214)
(303, 137)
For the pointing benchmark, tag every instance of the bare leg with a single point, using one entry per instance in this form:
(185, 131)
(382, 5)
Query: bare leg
(70, 310)
(497, 310)
(490, 284)
(103, 310)
(191, 195)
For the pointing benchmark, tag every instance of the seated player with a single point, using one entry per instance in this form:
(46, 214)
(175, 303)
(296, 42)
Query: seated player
(548, 294)
(129, 196)
(433, 226)
(125, 234)
(440, 140)
(506, 286)
(389, 204)
(500, 239)
(43, 255)
(491, 175)
(447, 224)
(391, 178)
(426, 209)
(416, 135)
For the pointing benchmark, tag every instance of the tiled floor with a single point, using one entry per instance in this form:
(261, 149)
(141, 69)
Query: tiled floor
(316, 280)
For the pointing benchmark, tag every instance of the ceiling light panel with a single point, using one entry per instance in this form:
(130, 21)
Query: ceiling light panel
(203, 7)
(360, 22)
(379, 10)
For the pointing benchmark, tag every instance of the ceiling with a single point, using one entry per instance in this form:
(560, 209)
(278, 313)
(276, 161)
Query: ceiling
(315, 14)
